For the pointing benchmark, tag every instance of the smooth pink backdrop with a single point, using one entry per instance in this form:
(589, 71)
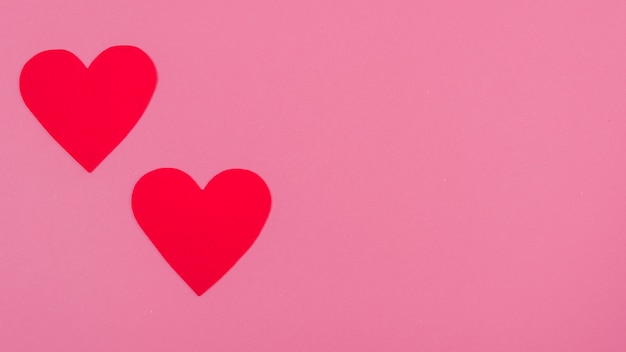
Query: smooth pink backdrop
(446, 176)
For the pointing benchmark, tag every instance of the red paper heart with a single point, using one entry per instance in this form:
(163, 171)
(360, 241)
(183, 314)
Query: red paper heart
(201, 233)
(88, 111)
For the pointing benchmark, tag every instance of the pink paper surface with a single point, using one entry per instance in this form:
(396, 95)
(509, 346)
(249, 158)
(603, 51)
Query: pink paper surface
(445, 176)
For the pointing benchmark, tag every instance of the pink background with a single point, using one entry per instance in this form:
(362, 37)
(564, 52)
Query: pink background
(446, 176)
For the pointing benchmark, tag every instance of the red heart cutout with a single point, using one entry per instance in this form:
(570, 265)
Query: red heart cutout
(201, 233)
(88, 111)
